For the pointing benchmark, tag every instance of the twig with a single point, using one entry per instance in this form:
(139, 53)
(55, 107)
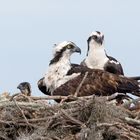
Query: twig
(13, 96)
(77, 90)
(5, 122)
(128, 128)
(56, 138)
(57, 97)
(19, 94)
(4, 137)
(27, 97)
(79, 87)
(22, 113)
(106, 124)
(132, 121)
(137, 116)
(65, 114)
(114, 96)
(21, 104)
(49, 98)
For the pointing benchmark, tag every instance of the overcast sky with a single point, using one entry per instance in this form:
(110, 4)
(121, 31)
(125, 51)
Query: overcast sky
(29, 28)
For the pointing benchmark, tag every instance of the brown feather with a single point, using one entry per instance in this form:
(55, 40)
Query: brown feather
(97, 82)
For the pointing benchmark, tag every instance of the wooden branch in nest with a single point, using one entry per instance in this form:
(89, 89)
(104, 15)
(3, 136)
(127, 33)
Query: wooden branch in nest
(71, 97)
(4, 137)
(18, 95)
(22, 113)
(128, 128)
(66, 97)
(80, 85)
(114, 96)
(73, 120)
(13, 96)
(129, 132)
(30, 105)
(107, 124)
(49, 97)
(132, 121)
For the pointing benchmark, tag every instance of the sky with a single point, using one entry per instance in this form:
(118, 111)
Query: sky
(30, 28)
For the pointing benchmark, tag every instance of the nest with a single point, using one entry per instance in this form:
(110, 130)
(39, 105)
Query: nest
(85, 118)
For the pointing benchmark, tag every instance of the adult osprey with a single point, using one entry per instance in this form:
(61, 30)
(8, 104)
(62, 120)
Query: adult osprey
(98, 82)
(63, 79)
(58, 67)
(97, 57)
(42, 86)
(25, 88)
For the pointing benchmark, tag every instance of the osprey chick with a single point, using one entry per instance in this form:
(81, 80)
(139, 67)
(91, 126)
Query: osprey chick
(25, 88)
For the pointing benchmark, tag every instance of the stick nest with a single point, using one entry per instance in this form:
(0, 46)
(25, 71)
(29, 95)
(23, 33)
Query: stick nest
(86, 118)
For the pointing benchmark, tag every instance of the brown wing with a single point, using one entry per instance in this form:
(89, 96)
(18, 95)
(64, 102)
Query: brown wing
(78, 68)
(115, 68)
(42, 86)
(98, 82)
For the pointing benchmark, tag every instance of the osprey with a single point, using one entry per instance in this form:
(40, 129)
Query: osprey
(25, 88)
(63, 79)
(42, 86)
(58, 67)
(97, 82)
(61, 73)
(97, 57)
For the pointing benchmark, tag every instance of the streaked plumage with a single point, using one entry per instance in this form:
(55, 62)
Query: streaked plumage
(41, 83)
(25, 88)
(58, 67)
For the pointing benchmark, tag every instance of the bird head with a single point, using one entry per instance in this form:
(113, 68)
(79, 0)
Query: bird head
(65, 48)
(96, 37)
(25, 88)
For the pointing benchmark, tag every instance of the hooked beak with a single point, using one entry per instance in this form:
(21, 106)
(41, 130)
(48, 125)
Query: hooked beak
(77, 49)
(18, 87)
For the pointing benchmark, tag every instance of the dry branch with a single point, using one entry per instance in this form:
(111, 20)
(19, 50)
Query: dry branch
(80, 85)
(132, 121)
(85, 116)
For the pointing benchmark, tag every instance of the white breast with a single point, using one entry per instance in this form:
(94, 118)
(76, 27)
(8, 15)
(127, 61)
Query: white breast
(96, 58)
(55, 73)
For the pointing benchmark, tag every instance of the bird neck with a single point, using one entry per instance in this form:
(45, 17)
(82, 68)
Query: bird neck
(96, 56)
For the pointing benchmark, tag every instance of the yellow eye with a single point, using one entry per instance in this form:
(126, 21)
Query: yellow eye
(69, 46)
